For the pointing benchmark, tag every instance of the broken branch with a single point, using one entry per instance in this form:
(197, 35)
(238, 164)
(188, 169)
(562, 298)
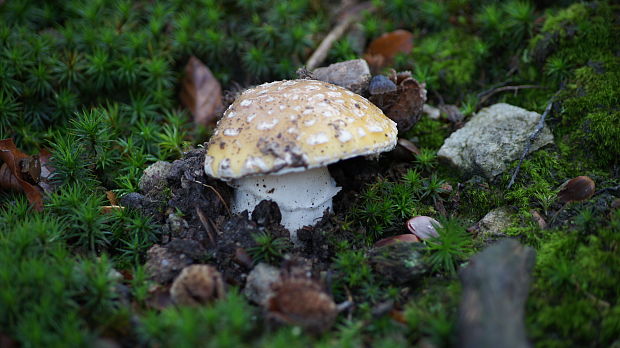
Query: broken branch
(348, 18)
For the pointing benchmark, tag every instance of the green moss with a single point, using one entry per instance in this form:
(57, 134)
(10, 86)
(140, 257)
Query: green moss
(576, 290)
(589, 116)
(452, 57)
(429, 133)
(432, 313)
(578, 48)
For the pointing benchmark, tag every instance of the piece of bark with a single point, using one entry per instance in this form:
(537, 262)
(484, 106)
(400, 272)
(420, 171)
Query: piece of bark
(495, 287)
(201, 92)
(403, 106)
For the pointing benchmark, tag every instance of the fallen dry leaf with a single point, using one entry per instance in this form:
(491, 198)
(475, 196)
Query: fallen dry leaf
(405, 150)
(23, 168)
(538, 219)
(382, 50)
(201, 92)
(401, 238)
(111, 197)
(47, 170)
(404, 106)
(109, 209)
(409, 146)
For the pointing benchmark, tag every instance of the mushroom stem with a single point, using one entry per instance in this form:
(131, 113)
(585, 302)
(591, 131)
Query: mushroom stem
(302, 196)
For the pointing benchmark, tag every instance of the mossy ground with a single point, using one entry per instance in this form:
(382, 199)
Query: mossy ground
(96, 83)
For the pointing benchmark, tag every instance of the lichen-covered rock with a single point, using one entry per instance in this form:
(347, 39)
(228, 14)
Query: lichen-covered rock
(353, 75)
(154, 179)
(493, 138)
(494, 223)
(163, 263)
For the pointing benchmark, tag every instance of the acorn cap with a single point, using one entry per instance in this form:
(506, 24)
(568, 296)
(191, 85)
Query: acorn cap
(294, 125)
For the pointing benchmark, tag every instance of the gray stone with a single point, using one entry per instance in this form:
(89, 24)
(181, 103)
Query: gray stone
(432, 112)
(493, 138)
(495, 288)
(163, 263)
(154, 179)
(353, 75)
(258, 286)
(494, 223)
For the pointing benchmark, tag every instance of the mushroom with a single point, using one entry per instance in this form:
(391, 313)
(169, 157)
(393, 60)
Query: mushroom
(275, 141)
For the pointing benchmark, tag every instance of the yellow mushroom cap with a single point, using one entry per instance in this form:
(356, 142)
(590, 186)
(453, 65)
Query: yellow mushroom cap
(284, 126)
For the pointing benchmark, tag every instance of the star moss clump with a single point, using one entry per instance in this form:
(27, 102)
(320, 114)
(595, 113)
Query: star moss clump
(577, 47)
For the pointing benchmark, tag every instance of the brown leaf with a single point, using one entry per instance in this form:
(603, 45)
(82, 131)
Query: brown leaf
(538, 219)
(201, 92)
(409, 146)
(398, 316)
(111, 197)
(404, 106)
(577, 189)
(302, 302)
(382, 50)
(401, 238)
(23, 168)
(109, 209)
(46, 171)
(406, 150)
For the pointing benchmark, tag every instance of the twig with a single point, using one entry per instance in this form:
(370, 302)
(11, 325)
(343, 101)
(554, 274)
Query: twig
(539, 127)
(492, 92)
(348, 18)
(492, 88)
(214, 190)
(607, 189)
(205, 223)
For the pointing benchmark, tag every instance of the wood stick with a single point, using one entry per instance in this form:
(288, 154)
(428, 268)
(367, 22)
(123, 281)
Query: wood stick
(489, 94)
(533, 136)
(345, 21)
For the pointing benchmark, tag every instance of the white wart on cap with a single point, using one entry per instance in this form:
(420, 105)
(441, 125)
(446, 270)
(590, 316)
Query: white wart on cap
(275, 141)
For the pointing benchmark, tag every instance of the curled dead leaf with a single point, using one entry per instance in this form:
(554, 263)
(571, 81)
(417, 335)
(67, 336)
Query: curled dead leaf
(382, 50)
(201, 92)
(405, 150)
(538, 219)
(409, 146)
(401, 238)
(47, 170)
(25, 171)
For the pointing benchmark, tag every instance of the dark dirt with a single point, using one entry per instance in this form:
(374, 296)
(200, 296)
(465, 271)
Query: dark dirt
(198, 227)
